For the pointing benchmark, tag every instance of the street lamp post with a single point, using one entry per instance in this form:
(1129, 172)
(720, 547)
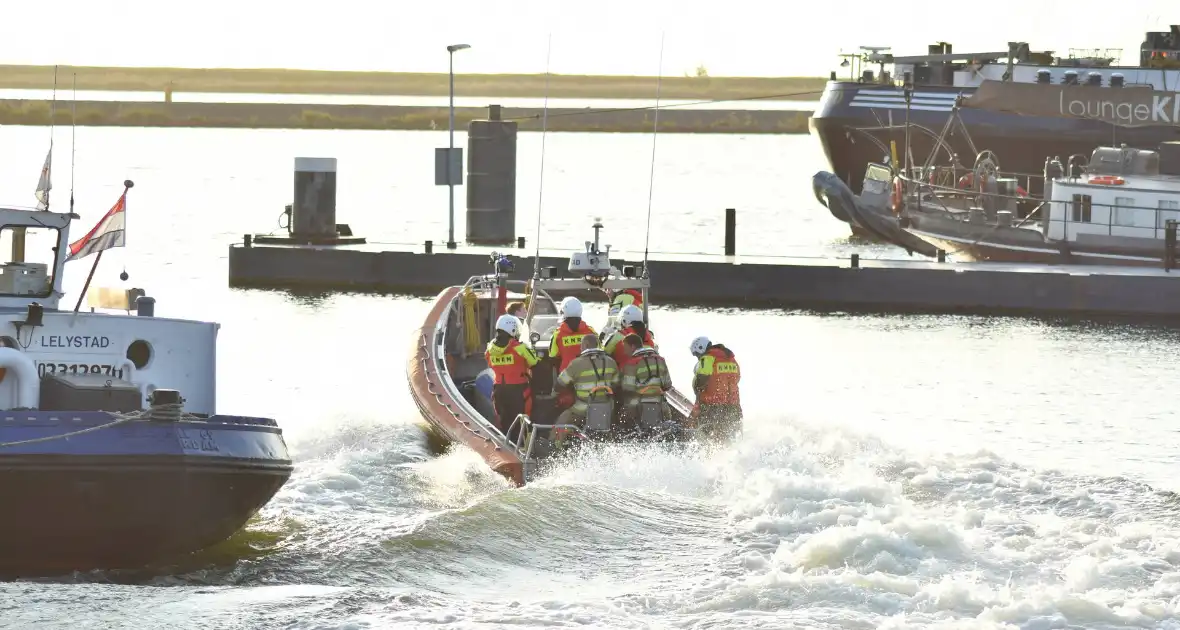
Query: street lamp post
(451, 145)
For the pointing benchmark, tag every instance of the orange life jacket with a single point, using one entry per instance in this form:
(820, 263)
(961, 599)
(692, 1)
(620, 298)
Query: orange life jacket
(568, 342)
(722, 387)
(509, 367)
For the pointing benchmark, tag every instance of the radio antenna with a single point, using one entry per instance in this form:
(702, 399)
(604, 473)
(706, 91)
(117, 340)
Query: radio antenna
(654, 133)
(541, 182)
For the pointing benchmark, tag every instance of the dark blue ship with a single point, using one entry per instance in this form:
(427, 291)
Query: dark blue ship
(112, 452)
(863, 119)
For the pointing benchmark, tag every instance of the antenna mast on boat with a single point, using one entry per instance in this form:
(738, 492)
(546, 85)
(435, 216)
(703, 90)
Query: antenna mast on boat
(42, 194)
(654, 133)
(541, 182)
(73, 139)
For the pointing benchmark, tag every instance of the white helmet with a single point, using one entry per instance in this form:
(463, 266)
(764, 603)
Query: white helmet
(570, 307)
(630, 314)
(509, 324)
(699, 346)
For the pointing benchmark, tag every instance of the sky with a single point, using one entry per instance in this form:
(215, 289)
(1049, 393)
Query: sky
(732, 38)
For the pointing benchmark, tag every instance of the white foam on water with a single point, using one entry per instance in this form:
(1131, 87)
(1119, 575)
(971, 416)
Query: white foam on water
(822, 527)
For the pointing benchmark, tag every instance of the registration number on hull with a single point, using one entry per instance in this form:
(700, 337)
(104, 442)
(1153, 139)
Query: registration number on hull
(79, 368)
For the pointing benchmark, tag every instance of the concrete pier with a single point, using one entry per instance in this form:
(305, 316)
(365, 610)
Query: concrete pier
(811, 283)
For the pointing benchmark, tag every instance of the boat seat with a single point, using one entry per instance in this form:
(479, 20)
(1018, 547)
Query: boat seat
(599, 415)
(651, 415)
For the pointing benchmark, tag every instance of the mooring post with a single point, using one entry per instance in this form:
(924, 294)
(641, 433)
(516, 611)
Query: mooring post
(855, 260)
(1169, 245)
(730, 231)
(491, 179)
(313, 213)
(520, 242)
(429, 247)
(942, 255)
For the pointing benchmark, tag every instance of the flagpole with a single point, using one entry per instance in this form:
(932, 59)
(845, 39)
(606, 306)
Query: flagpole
(89, 277)
(98, 257)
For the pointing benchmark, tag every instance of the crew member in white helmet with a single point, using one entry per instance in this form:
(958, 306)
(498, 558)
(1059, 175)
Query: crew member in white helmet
(718, 408)
(631, 321)
(566, 343)
(511, 362)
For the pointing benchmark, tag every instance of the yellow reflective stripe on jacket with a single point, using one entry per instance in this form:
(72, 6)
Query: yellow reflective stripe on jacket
(614, 340)
(709, 366)
(585, 374)
(527, 354)
(622, 301)
(587, 380)
(647, 379)
(498, 356)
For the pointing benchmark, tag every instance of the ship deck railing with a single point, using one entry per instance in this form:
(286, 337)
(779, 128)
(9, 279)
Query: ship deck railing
(1083, 211)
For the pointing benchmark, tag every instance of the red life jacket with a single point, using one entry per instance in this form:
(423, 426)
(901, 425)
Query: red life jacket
(722, 387)
(619, 352)
(509, 367)
(568, 342)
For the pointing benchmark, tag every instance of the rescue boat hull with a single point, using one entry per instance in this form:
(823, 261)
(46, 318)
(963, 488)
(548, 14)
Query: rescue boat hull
(442, 406)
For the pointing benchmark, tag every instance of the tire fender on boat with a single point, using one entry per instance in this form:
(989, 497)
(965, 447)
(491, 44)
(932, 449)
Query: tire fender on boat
(28, 384)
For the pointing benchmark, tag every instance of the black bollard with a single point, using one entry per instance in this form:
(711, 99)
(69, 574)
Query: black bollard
(855, 260)
(1169, 245)
(247, 240)
(520, 242)
(941, 255)
(429, 247)
(730, 231)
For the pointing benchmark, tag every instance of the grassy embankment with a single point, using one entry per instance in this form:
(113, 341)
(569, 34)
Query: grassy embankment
(323, 116)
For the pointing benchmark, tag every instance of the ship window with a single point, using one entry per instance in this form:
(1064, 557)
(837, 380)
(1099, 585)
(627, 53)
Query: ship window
(878, 173)
(29, 255)
(1126, 214)
(1081, 209)
(1169, 210)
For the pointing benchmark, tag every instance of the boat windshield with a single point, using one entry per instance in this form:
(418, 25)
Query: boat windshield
(28, 255)
(543, 319)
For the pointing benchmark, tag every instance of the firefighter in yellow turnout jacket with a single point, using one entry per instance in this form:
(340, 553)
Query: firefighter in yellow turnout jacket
(594, 378)
(645, 380)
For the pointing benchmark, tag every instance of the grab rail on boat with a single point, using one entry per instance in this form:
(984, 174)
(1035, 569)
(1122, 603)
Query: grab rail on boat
(491, 281)
(526, 439)
(432, 376)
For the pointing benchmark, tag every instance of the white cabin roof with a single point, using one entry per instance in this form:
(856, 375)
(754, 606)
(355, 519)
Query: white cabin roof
(1168, 184)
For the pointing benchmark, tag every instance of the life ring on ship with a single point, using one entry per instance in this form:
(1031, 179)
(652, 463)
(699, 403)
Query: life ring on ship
(1107, 180)
(896, 197)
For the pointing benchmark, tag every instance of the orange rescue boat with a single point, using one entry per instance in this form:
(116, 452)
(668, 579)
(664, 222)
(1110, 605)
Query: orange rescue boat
(451, 383)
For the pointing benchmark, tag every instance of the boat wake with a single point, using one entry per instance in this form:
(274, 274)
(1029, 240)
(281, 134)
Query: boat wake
(792, 524)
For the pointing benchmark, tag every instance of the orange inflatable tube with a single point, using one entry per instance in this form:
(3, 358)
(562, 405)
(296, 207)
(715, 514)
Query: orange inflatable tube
(438, 405)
